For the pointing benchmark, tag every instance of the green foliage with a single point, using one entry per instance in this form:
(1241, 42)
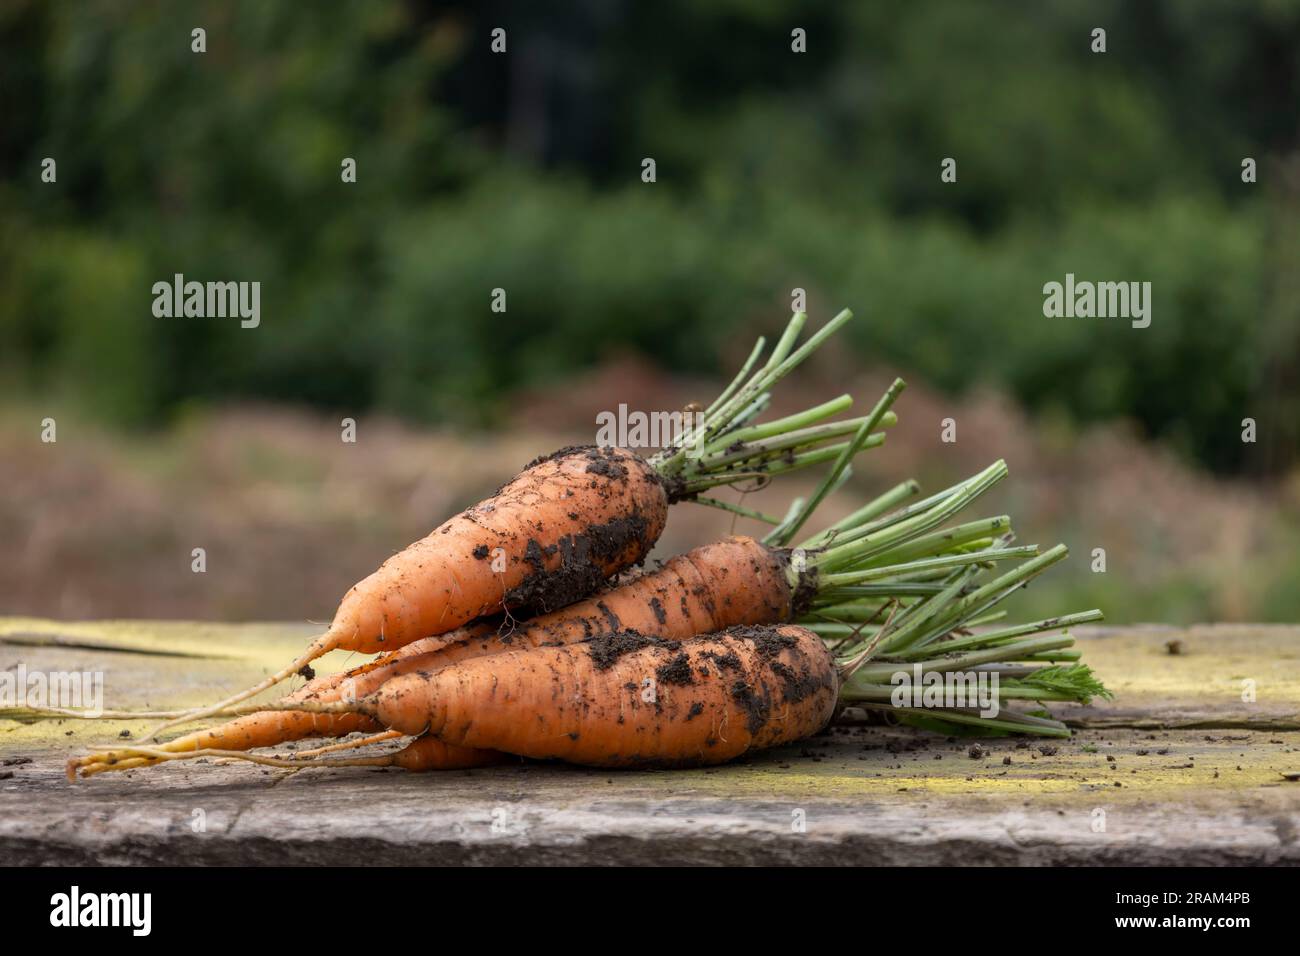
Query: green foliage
(478, 172)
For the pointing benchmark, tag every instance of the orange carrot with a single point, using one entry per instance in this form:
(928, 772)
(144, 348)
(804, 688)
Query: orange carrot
(737, 580)
(553, 534)
(625, 700)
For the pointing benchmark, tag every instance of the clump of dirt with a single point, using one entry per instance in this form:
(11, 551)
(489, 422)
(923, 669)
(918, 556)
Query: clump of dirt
(564, 452)
(608, 467)
(606, 462)
(728, 661)
(606, 649)
(767, 639)
(657, 607)
(757, 707)
(611, 618)
(583, 559)
(797, 686)
(676, 671)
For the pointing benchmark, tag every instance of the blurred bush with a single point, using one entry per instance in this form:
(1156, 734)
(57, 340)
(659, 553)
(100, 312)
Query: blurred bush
(521, 172)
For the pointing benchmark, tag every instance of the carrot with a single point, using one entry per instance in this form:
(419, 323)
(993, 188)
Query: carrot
(571, 520)
(619, 700)
(625, 700)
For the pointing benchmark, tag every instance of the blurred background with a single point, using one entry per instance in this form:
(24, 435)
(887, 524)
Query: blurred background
(522, 171)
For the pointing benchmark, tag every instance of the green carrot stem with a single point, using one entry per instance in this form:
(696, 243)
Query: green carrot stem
(990, 638)
(726, 414)
(977, 601)
(747, 414)
(1005, 722)
(956, 586)
(860, 544)
(739, 379)
(775, 445)
(985, 618)
(881, 671)
(883, 693)
(915, 508)
(1050, 656)
(940, 542)
(879, 417)
(842, 597)
(847, 612)
(777, 466)
(845, 578)
(787, 340)
(781, 426)
(871, 509)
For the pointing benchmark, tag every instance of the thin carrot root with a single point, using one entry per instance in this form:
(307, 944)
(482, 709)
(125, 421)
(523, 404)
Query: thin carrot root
(420, 755)
(27, 710)
(350, 744)
(118, 758)
(269, 728)
(318, 648)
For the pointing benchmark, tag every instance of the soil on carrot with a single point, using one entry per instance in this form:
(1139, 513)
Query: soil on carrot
(606, 649)
(658, 608)
(804, 593)
(755, 702)
(727, 661)
(797, 686)
(768, 639)
(608, 462)
(580, 571)
(676, 671)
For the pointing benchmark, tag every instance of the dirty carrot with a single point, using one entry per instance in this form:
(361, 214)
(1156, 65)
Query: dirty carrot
(714, 698)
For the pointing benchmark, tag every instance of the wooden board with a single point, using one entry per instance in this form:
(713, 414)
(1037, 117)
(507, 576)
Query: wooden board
(1178, 769)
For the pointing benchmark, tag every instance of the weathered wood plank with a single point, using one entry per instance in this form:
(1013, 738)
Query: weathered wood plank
(864, 794)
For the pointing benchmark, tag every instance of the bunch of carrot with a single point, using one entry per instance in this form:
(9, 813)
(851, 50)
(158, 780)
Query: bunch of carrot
(514, 629)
